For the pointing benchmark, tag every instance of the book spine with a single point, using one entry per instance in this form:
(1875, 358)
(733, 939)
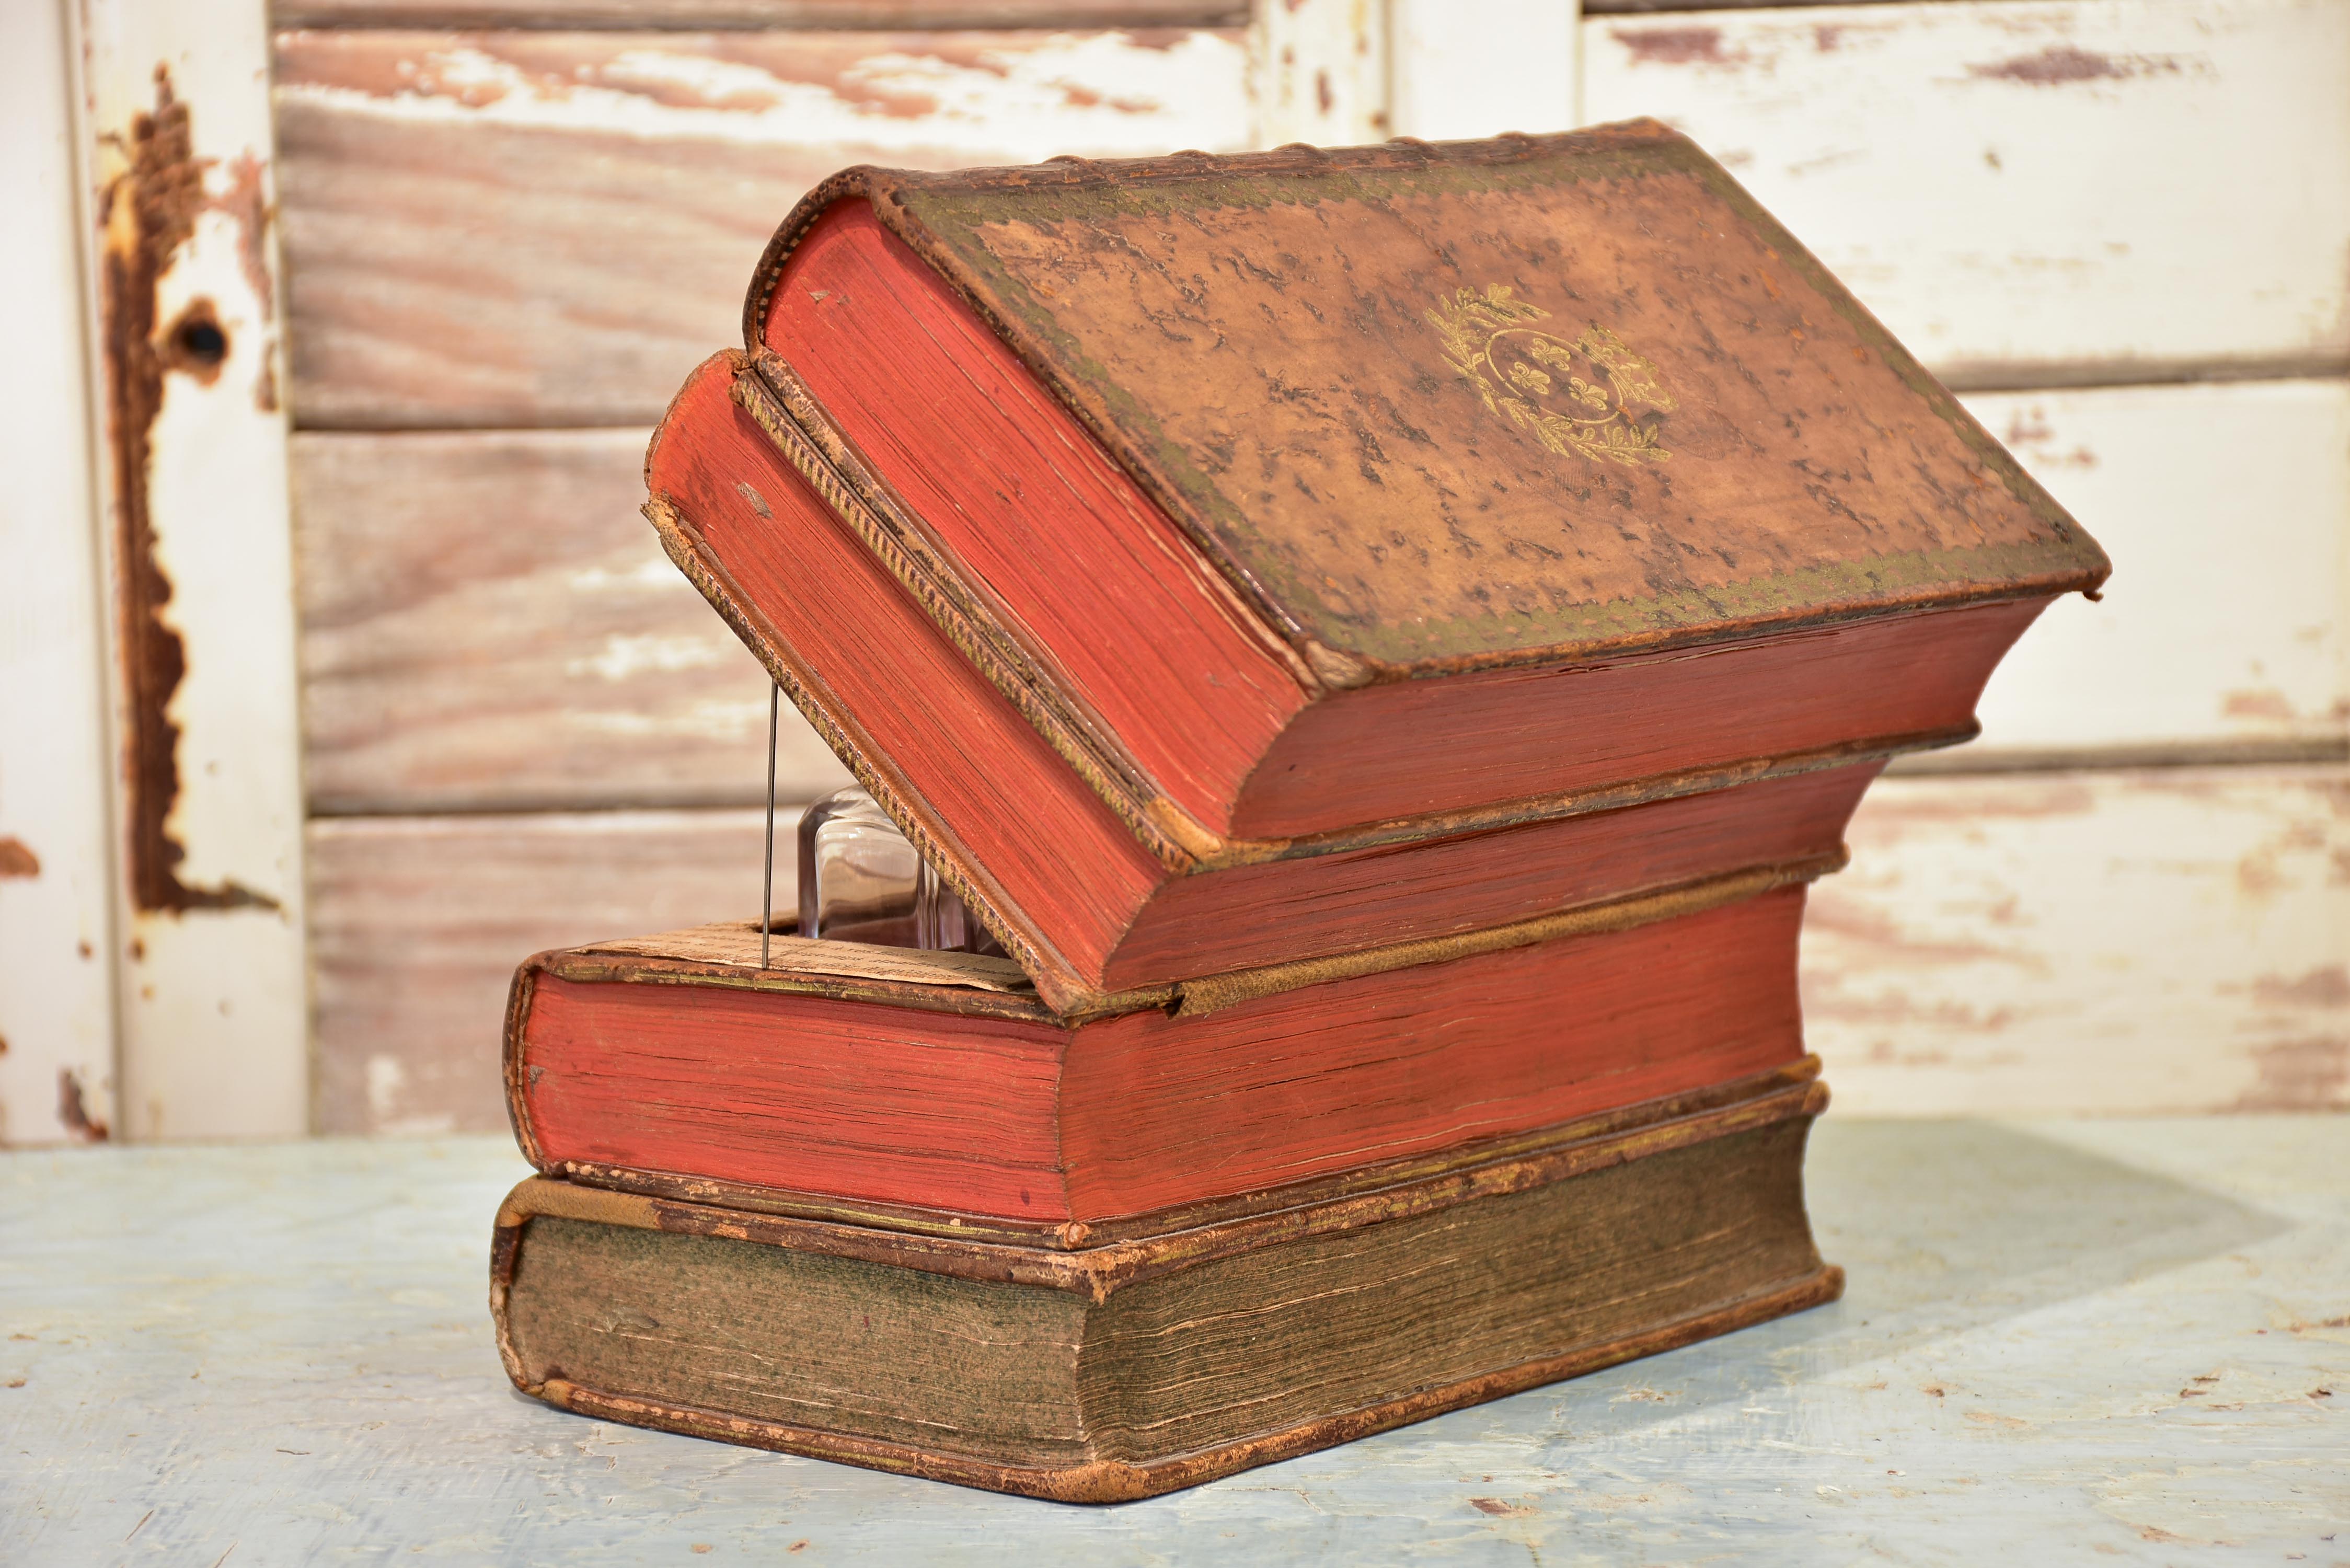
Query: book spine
(770, 393)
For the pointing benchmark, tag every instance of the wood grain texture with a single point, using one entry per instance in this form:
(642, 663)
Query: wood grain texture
(2123, 943)
(2226, 508)
(2034, 193)
(502, 229)
(417, 925)
(489, 624)
(751, 15)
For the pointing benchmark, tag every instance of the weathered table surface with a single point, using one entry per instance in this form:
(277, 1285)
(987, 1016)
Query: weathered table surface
(2063, 1341)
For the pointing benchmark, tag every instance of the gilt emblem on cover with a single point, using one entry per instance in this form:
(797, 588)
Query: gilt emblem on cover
(1591, 397)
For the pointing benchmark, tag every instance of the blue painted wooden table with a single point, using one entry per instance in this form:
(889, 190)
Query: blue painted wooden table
(2063, 1341)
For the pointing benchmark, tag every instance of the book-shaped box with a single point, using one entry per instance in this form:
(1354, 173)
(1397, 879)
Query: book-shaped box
(1383, 638)
(1203, 558)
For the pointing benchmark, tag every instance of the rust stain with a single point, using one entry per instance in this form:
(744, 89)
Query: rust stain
(17, 859)
(1675, 46)
(149, 212)
(72, 1115)
(2061, 63)
(2326, 987)
(2299, 1075)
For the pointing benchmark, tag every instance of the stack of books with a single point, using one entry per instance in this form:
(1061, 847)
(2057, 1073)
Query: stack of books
(1379, 641)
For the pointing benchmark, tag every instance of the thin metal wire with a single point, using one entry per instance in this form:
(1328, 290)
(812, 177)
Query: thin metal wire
(767, 878)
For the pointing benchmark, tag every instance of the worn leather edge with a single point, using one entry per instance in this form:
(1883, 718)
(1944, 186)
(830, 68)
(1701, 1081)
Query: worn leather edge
(519, 996)
(1098, 1272)
(887, 189)
(1106, 1481)
(1070, 1235)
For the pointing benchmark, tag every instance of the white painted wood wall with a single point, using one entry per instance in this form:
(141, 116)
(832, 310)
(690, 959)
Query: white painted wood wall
(153, 966)
(2120, 226)
(57, 941)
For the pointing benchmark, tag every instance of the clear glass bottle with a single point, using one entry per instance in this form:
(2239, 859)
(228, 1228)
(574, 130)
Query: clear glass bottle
(861, 881)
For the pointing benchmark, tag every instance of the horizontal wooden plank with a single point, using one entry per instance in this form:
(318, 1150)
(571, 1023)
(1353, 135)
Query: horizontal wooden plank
(519, 229)
(487, 623)
(2226, 509)
(2036, 193)
(759, 13)
(2118, 943)
(416, 926)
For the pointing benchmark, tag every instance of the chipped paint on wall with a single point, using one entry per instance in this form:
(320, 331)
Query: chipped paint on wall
(1032, 94)
(212, 984)
(2031, 193)
(2122, 942)
(149, 210)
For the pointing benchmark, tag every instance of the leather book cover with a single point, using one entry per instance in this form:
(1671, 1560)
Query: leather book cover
(1432, 408)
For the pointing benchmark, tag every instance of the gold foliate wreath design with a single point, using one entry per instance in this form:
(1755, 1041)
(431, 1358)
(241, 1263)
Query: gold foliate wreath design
(1550, 385)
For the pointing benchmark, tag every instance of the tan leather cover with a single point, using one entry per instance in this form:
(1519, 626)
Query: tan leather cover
(1439, 407)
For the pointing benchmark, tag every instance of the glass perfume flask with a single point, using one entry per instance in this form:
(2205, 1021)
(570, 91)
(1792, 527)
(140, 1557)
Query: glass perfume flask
(862, 881)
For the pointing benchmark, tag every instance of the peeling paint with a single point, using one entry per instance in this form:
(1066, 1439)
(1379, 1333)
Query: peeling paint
(72, 1114)
(1036, 93)
(2328, 986)
(149, 212)
(2299, 1075)
(1677, 47)
(2061, 63)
